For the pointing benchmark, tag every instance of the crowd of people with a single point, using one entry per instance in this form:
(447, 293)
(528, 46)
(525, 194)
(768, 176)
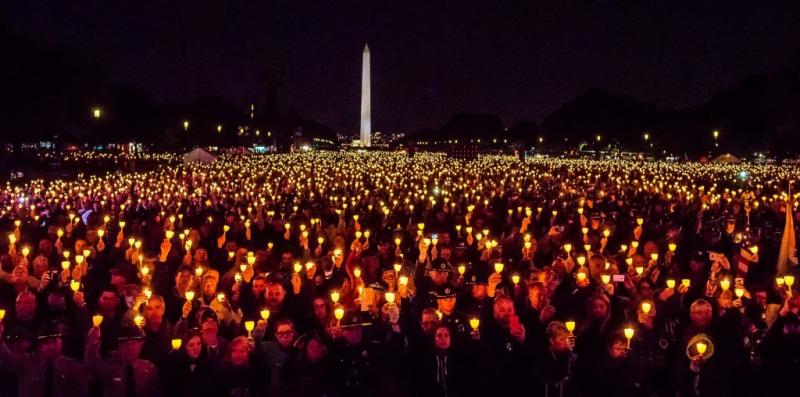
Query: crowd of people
(366, 274)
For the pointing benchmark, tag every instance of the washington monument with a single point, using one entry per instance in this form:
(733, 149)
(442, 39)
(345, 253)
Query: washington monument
(366, 122)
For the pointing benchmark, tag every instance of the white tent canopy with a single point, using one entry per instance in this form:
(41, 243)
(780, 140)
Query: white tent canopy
(198, 156)
(727, 159)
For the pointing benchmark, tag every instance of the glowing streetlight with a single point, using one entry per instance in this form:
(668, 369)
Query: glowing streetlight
(219, 128)
(646, 136)
(97, 112)
(186, 125)
(716, 134)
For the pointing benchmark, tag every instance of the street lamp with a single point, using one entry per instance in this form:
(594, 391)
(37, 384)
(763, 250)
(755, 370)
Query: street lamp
(219, 128)
(598, 137)
(646, 136)
(186, 125)
(97, 112)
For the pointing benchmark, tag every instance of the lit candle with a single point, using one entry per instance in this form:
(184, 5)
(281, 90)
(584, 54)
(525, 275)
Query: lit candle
(686, 282)
(701, 348)
(335, 296)
(249, 326)
(189, 295)
(338, 313)
(176, 344)
(725, 284)
(74, 285)
(474, 323)
(670, 283)
(515, 279)
(265, 314)
(389, 297)
(605, 278)
(570, 326)
(646, 306)
(628, 334)
(97, 319)
(498, 267)
(581, 276)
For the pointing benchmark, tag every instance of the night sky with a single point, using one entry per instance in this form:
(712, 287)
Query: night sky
(430, 59)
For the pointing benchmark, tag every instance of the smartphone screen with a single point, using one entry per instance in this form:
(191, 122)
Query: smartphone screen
(618, 278)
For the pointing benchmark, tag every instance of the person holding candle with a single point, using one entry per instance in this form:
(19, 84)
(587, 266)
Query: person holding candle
(446, 300)
(158, 331)
(612, 374)
(698, 374)
(553, 372)
(187, 371)
(352, 355)
(275, 351)
(177, 293)
(241, 373)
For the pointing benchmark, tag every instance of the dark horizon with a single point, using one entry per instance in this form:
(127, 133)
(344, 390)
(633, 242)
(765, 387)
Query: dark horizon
(517, 60)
